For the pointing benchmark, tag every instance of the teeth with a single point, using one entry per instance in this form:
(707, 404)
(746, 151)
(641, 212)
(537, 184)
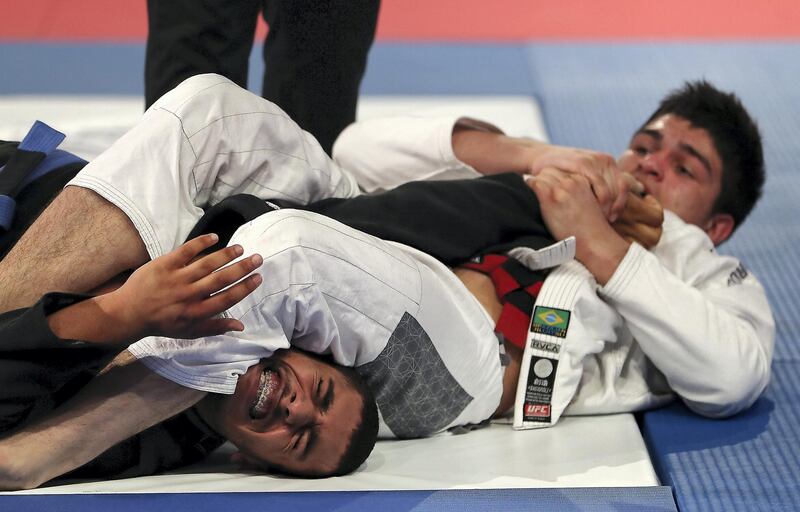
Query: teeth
(266, 385)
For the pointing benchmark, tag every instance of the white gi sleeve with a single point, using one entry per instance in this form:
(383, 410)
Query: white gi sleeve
(700, 317)
(384, 153)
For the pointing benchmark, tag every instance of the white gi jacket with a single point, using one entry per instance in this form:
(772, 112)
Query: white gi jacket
(401, 318)
(680, 319)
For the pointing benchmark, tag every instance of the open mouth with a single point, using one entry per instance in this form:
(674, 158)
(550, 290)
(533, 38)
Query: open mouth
(266, 395)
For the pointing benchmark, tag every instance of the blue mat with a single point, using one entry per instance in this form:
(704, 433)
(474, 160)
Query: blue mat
(636, 499)
(749, 462)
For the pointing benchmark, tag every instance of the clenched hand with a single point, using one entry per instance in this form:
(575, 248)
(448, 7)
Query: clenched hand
(641, 220)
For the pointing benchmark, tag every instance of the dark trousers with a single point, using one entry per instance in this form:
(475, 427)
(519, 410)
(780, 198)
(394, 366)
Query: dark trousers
(314, 55)
(38, 371)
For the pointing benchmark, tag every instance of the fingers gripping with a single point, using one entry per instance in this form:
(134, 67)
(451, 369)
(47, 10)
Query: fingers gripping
(641, 221)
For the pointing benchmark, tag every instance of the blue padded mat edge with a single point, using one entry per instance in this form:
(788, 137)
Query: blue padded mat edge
(633, 499)
(748, 462)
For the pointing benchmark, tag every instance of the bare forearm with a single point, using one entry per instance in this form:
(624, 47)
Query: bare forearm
(93, 320)
(116, 405)
(492, 153)
(170, 296)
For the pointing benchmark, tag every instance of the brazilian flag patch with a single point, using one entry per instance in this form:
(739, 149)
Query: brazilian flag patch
(550, 321)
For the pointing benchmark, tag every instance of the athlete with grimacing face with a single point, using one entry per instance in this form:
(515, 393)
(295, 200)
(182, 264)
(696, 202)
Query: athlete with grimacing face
(293, 410)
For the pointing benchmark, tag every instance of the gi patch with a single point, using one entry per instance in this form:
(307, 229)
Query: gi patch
(546, 346)
(416, 394)
(738, 275)
(539, 390)
(550, 321)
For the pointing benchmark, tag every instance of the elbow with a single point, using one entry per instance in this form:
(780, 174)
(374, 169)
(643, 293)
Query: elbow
(717, 410)
(728, 397)
(13, 476)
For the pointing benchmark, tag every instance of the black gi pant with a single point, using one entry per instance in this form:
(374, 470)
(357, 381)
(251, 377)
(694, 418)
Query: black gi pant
(314, 55)
(39, 372)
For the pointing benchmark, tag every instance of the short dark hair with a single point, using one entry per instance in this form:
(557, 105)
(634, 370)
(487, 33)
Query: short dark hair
(364, 436)
(736, 138)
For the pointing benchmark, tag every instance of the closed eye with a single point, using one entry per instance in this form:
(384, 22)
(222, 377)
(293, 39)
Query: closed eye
(311, 436)
(327, 400)
(293, 443)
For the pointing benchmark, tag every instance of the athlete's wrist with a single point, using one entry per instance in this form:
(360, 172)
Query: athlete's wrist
(101, 320)
(602, 255)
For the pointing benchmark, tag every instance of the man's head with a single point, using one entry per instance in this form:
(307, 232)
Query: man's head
(700, 155)
(298, 414)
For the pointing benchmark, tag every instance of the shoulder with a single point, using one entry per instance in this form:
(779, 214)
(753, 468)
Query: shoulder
(686, 251)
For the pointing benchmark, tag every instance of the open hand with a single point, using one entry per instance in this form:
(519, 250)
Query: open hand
(178, 297)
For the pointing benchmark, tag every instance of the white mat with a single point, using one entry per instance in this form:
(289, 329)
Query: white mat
(604, 451)
(93, 123)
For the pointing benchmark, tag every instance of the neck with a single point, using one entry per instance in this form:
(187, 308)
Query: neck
(206, 410)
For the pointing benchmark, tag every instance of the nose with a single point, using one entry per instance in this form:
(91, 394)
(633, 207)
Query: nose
(298, 409)
(652, 165)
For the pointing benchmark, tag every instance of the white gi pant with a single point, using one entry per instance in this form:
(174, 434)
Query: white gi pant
(327, 288)
(203, 141)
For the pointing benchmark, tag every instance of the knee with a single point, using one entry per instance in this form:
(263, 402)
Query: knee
(212, 96)
(197, 89)
(201, 81)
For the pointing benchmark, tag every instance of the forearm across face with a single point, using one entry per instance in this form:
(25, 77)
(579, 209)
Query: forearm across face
(123, 401)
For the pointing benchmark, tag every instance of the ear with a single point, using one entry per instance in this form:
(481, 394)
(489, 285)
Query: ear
(720, 227)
